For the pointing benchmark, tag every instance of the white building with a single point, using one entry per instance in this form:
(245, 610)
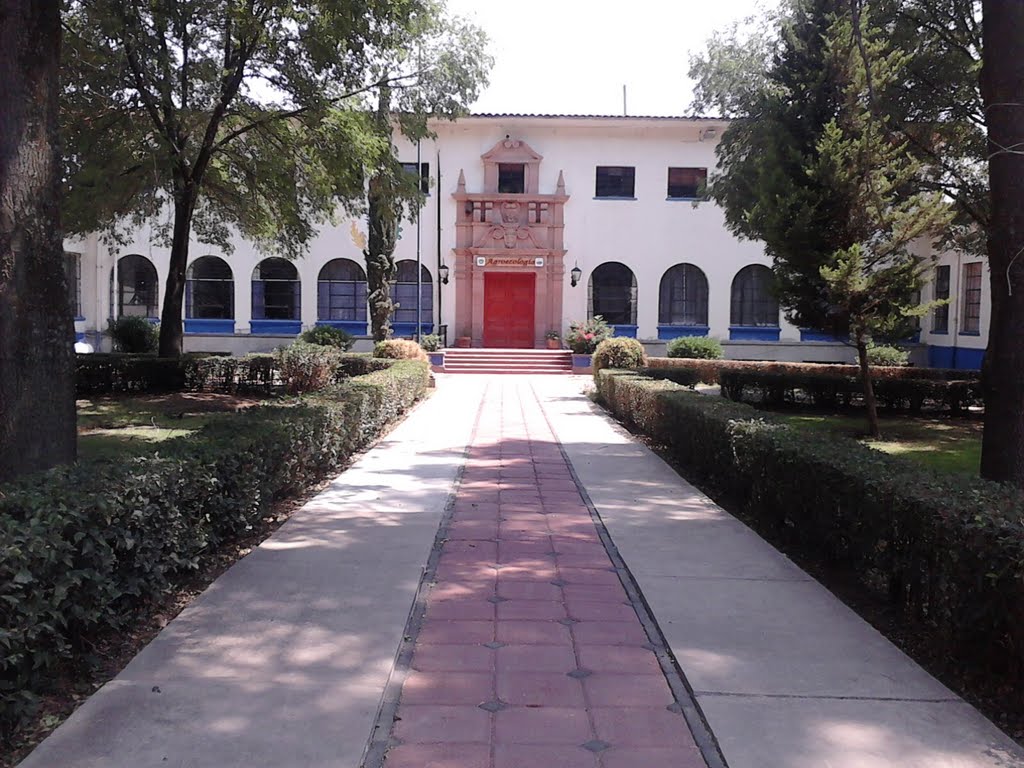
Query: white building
(515, 203)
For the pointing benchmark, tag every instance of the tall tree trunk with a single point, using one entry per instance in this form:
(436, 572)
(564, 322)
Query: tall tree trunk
(1002, 89)
(870, 404)
(37, 388)
(383, 212)
(172, 333)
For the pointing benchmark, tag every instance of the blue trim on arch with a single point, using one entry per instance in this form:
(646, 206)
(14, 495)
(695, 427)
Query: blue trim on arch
(354, 327)
(963, 358)
(222, 326)
(626, 331)
(409, 329)
(275, 327)
(668, 332)
(754, 332)
(79, 336)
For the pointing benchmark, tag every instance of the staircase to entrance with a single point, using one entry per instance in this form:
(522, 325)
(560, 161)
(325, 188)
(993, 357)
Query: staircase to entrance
(494, 361)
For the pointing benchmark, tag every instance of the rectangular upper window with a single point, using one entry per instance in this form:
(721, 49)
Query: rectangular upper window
(615, 181)
(511, 178)
(424, 175)
(972, 298)
(940, 315)
(687, 183)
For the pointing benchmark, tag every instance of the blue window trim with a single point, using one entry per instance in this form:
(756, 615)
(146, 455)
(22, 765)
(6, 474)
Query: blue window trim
(754, 333)
(625, 331)
(667, 332)
(688, 199)
(409, 329)
(220, 326)
(970, 333)
(355, 327)
(613, 197)
(809, 334)
(938, 333)
(275, 327)
(79, 319)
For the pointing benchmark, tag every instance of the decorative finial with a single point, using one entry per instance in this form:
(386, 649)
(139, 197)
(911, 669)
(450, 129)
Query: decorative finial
(560, 189)
(461, 188)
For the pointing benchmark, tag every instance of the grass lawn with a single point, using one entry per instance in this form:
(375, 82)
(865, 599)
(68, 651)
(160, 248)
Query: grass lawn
(942, 443)
(121, 427)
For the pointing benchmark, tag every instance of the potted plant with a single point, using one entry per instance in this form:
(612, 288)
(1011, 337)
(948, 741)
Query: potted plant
(554, 340)
(583, 338)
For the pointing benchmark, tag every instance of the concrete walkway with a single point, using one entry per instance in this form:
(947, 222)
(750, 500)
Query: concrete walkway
(289, 659)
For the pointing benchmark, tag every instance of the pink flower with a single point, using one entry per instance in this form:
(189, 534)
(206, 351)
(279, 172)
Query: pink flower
(589, 336)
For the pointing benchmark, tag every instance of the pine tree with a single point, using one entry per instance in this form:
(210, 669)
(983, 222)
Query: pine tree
(873, 281)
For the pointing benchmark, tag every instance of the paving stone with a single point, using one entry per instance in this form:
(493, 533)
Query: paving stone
(452, 658)
(540, 689)
(423, 724)
(533, 633)
(533, 610)
(439, 756)
(627, 690)
(641, 727)
(544, 756)
(619, 660)
(447, 688)
(535, 658)
(457, 632)
(547, 725)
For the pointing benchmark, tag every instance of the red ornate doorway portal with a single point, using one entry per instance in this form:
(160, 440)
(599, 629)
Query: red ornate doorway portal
(509, 309)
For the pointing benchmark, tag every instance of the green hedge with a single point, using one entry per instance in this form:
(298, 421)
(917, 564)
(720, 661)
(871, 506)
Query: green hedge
(827, 385)
(82, 548)
(948, 551)
(112, 373)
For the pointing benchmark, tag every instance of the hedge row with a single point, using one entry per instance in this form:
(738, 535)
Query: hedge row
(82, 548)
(104, 374)
(826, 385)
(947, 550)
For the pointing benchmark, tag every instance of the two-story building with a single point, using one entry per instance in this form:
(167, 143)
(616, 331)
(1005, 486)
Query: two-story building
(530, 222)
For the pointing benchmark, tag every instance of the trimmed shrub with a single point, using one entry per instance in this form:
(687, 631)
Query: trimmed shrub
(83, 548)
(307, 367)
(696, 347)
(431, 342)
(135, 335)
(328, 336)
(399, 349)
(826, 385)
(619, 353)
(946, 550)
(886, 355)
(583, 337)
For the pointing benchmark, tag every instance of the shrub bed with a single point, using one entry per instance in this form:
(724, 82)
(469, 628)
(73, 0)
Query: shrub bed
(259, 373)
(829, 385)
(947, 551)
(82, 548)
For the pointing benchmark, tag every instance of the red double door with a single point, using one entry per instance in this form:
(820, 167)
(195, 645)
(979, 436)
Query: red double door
(508, 309)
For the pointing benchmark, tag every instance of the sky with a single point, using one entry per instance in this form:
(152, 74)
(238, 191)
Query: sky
(574, 56)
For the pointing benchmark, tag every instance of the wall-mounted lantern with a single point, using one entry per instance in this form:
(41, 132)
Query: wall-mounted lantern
(574, 275)
(443, 272)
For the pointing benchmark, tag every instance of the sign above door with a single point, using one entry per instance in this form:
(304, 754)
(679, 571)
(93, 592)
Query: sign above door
(510, 261)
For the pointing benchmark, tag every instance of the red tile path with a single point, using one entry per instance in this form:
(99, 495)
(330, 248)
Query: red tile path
(525, 595)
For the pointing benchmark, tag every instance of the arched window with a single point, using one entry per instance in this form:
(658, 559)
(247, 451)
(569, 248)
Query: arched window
(209, 290)
(341, 291)
(138, 287)
(276, 291)
(683, 298)
(612, 294)
(403, 293)
(752, 300)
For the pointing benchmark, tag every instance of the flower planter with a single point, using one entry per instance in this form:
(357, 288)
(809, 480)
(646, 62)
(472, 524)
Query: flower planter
(582, 364)
(553, 343)
(436, 361)
(464, 342)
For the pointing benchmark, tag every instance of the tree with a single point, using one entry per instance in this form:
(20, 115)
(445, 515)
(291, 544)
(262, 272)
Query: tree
(1002, 83)
(446, 64)
(37, 394)
(230, 115)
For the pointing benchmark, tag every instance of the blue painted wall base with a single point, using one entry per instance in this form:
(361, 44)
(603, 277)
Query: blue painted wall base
(961, 358)
(408, 330)
(628, 331)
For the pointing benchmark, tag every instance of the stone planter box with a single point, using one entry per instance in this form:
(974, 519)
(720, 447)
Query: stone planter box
(582, 364)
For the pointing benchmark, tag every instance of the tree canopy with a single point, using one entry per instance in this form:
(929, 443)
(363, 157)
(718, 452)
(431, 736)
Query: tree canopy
(208, 117)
